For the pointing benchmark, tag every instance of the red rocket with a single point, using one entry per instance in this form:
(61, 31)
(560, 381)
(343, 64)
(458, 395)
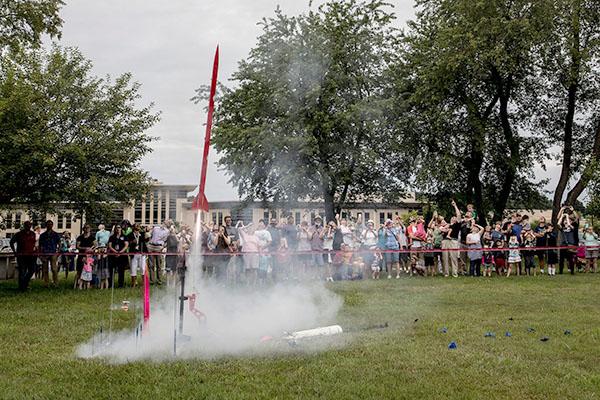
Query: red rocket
(200, 202)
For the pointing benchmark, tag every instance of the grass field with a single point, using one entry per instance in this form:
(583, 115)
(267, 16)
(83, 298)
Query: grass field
(40, 330)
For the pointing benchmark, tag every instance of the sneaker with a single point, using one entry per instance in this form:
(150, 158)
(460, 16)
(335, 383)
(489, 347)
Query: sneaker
(446, 275)
(389, 277)
(542, 271)
(397, 276)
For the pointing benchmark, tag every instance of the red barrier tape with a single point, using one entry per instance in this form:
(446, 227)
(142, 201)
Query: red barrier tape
(311, 252)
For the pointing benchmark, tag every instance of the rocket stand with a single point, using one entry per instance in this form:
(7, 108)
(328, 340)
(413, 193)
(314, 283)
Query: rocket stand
(182, 299)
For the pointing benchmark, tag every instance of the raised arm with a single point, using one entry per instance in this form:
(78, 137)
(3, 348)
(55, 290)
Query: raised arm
(456, 211)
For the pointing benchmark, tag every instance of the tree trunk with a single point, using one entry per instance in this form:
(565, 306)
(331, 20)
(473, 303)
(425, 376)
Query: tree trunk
(475, 162)
(586, 175)
(565, 173)
(328, 198)
(513, 158)
(573, 84)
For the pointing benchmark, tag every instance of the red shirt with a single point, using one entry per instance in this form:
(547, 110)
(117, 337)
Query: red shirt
(25, 241)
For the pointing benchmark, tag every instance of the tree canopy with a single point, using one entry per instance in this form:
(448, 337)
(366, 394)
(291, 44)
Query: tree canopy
(67, 135)
(307, 117)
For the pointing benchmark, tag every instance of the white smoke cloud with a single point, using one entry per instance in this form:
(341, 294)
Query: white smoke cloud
(236, 322)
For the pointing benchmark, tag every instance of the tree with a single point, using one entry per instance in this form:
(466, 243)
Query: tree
(23, 22)
(307, 116)
(570, 81)
(66, 135)
(464, 71)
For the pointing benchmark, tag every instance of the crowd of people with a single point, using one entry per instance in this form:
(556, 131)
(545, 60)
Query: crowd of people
(96, 257)
(342, 249)
(346, 249)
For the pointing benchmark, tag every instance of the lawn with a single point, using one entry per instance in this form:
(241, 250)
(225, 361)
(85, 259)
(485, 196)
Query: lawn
(40, 330)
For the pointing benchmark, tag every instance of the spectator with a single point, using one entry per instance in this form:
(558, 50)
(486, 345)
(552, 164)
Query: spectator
(568, 226)
(552, 253)
(473, 241)
(172, 245)
(450, 244)
(86, 243)
(274, 248)
(541, 241)
(117, 248)
(137, 246)
(317, 234)
(591, 242)
(392, 247)
(102, 267)
(304, 245)
(250, 250)
(158, 240)
(23, 245)
(264, 241)
(67, 245)
(49, 244)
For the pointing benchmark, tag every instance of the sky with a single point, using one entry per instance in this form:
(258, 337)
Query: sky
(169, 46)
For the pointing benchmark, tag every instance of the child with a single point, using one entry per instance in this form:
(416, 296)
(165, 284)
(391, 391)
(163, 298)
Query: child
(552, 255)
(429, 257)
(529, 240)
(488, 260)
(514, 255)
(500, 257)
(590, 239)
(86, 273)
(375, 266)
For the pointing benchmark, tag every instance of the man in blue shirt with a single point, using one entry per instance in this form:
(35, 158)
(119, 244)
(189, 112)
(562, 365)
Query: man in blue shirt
(392, 246)
(49, 245)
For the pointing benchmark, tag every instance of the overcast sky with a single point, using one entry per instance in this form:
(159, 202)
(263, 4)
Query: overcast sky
(169, 47)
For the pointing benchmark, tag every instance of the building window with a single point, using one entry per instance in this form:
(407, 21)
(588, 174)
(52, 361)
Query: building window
(18, 220)
(155, 211)
(163, 210)
(220, 218)
(367, 217)
(60, 223)
(381, 218)
(68, 221)
(266, 216)
(389, 215)
(173, 208)
(138, 212)
(8, 221)
(274, 214)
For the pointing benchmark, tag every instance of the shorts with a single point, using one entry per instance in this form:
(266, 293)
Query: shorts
(514, 260)
(591, 253)
(138, 263)
(318, 259)
(263, 263)
(391, 258)
(251, 261)
(500, 262)
(541, 255)
(429, 261)
(552, 256)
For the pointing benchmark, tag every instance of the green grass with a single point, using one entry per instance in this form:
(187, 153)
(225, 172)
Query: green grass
(40, 330)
